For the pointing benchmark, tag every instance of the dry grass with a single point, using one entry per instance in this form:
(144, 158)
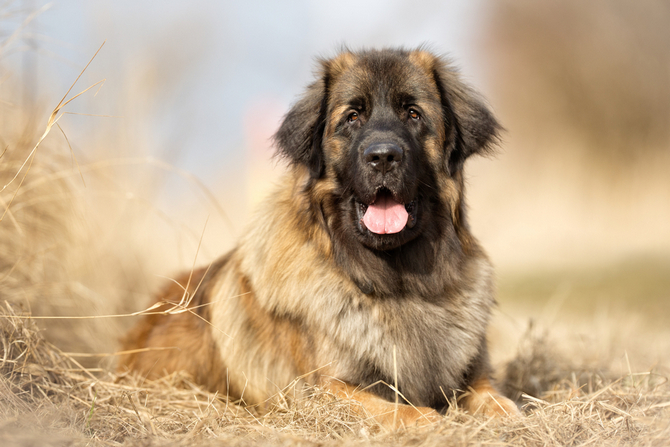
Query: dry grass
(50, 391)
(48, 398)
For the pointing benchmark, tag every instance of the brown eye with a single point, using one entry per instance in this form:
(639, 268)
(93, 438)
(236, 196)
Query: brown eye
(413, 114)
(353, 117)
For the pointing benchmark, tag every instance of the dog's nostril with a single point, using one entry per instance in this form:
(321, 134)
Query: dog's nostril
(383, 156)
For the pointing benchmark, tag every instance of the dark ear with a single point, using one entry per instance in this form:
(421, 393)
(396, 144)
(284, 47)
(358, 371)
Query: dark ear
(471, 127)
(299, 136)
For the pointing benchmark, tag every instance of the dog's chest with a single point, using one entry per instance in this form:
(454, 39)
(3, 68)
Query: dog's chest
(426, 346)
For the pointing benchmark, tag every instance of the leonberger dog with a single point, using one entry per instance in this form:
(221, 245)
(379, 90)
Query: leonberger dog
(359, 273)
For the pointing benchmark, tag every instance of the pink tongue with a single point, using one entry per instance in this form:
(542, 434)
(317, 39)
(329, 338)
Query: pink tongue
(385, 216)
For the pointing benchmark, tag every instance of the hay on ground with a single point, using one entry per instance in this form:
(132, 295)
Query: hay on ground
(48, 398)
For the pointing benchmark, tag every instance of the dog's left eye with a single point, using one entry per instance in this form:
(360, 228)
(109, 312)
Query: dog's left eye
(413, 114)
(353, 116)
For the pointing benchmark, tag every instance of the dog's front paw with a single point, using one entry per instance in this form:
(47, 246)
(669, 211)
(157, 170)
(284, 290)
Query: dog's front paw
(408, 416)
(483, 398)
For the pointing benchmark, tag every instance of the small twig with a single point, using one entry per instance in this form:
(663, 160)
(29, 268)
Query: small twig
(90, 412)
(395, 381)
(53, 119)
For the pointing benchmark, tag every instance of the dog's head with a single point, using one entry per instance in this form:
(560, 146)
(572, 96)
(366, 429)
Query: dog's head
(389, 130)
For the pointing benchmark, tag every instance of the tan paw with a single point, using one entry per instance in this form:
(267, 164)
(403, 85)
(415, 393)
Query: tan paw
(483, 398)
(408, 416)
(390, 415)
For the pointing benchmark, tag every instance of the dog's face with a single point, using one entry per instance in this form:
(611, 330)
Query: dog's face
(387, 131)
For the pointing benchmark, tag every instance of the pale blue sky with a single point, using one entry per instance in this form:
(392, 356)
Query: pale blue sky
(212, 60)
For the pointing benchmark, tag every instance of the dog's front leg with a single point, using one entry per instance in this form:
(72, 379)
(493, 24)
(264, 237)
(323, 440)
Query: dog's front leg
(388, 414)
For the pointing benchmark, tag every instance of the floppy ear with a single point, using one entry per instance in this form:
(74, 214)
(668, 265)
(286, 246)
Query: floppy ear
(471, 127)
(300, 134)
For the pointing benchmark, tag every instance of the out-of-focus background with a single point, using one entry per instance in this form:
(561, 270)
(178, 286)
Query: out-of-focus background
(173, 149)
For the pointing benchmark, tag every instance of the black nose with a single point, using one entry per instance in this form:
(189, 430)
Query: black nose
(383, 156)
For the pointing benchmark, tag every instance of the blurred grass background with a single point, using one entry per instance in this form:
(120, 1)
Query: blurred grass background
(574, 208)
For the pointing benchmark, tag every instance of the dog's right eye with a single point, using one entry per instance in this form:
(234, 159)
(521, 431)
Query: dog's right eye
(353, 116)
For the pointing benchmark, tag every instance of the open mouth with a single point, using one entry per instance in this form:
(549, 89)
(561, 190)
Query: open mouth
(385, 214)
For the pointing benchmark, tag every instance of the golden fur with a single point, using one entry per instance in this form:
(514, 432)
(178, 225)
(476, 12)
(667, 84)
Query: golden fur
(310, 293)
